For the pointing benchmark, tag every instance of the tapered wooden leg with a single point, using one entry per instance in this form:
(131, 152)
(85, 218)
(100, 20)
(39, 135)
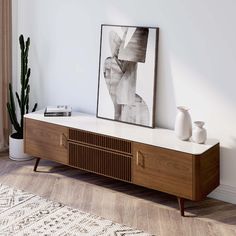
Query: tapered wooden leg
(36, 164)
(181, 205)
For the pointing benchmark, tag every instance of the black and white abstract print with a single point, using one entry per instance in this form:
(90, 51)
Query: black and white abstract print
(127, 74)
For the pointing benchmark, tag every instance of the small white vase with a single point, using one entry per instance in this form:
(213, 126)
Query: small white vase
(199, 133)
(16, 150)
(183, 124)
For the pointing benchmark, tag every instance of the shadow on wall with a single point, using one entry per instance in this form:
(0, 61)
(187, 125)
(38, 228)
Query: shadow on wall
(227, 163)
(165, 104)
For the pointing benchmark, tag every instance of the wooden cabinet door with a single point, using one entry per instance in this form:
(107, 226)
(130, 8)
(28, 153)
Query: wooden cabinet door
(45, 140)
(162, 169)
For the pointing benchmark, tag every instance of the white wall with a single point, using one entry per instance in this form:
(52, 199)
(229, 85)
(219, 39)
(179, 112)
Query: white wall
(197, 60)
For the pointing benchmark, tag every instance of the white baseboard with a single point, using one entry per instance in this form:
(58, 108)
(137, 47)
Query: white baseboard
(224, 193)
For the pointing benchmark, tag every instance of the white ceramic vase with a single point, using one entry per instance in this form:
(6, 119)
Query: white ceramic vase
(183, 124)
(199, 133)
(16, 150)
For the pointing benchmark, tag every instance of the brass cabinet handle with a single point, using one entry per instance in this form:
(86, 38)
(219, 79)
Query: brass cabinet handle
(137, 158)
(63, 140)
(140, 159)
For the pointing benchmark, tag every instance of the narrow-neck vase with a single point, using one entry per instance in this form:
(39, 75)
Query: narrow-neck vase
(183, 124)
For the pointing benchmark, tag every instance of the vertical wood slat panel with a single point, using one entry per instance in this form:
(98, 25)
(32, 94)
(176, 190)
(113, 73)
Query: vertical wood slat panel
(102, 141)
(100, 161)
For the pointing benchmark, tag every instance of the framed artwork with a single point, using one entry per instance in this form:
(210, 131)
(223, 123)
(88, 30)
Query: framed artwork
(127, 74)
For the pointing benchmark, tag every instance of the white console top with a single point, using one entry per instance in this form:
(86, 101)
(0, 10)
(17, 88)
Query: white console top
(157, 137)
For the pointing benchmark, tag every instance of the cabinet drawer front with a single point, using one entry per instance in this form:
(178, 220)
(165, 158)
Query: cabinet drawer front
(101, 141)
(161, 169)
(46, 140)
(100, 161)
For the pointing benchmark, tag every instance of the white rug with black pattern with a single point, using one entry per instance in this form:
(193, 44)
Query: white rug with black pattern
(23, 213)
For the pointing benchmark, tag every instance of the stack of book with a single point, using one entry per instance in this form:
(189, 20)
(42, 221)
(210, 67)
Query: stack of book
(59, 110)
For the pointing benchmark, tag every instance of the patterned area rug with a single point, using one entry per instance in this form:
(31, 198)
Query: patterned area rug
(23, 213)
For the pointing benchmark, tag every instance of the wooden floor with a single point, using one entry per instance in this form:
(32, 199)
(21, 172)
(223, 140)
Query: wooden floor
(152, 211)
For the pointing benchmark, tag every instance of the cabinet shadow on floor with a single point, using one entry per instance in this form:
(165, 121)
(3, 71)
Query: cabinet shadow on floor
(21, 175)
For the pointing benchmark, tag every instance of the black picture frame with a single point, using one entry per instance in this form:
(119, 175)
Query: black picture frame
(118, 74)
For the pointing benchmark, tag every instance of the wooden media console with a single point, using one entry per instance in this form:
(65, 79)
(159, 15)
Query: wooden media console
(153, 158)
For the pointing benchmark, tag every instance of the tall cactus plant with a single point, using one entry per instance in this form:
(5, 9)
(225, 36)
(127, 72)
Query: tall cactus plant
(23, 99)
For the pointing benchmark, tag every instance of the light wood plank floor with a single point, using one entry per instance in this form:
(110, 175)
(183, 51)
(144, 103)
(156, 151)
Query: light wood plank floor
(138, 207)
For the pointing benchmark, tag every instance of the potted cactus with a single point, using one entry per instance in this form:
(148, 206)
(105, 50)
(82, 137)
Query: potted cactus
(16, 141)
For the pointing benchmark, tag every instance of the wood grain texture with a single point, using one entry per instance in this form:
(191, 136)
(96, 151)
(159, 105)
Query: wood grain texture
(165, 170)
(135, 206)
(210, 170)
(101, 141)
(181, 174)
(206, 172)
(46, 140)
(100, 161)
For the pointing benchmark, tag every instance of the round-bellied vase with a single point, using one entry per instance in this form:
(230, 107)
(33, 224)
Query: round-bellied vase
(199, 133)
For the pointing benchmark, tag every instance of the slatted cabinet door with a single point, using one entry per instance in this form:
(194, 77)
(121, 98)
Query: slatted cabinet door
(162, 169)
(46, 140)
(100, 154)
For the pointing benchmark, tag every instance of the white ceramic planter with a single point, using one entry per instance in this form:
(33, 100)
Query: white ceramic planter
(183, 124)
(16, 150)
